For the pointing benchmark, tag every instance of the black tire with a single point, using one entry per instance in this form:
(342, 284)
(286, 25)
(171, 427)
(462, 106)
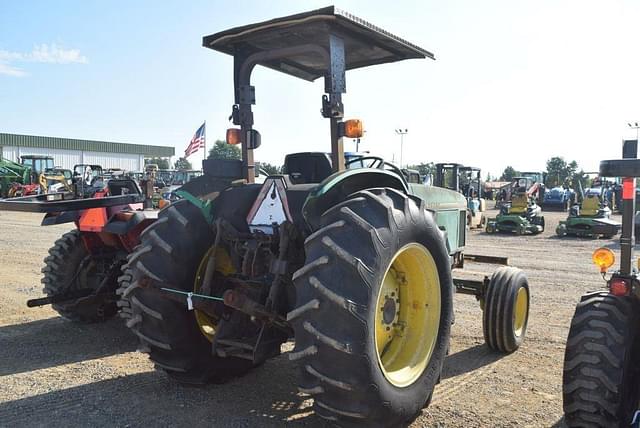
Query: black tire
(498, 316)
(336, 296)
(170, 251)
(123, 291)
(601, 378)
(61, 276)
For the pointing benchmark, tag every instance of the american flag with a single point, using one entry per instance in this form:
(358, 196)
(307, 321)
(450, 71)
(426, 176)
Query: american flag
(197, 142)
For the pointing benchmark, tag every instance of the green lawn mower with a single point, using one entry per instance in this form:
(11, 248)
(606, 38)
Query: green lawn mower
(521, 215)
(590, 218)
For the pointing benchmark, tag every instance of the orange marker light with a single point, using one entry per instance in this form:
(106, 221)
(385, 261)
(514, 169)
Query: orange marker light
(603, 258)
(233, 136)
(353, 128)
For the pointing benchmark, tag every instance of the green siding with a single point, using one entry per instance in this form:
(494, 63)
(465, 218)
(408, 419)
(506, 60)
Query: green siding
(84, 145)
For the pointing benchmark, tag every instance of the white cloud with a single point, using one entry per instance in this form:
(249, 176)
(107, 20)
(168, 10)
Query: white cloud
(44, 53)
(8, 70)
(56, 55)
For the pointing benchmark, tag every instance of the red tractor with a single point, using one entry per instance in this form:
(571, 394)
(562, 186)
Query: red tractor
(84, 265)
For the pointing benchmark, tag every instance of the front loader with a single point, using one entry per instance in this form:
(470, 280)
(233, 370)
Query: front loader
(353, 264)
(601, 377)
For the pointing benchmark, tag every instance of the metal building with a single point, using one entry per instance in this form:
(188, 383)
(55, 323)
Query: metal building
(67, 152)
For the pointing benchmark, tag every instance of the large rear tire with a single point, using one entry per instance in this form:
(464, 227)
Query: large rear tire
(373, 310)
(170, 252)
(67, 269)
(601, 380)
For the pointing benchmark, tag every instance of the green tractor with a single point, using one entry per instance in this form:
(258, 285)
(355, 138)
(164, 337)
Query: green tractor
(521, 214)
(591, 217)
(353, 264)
(466, 180)
(601, 377)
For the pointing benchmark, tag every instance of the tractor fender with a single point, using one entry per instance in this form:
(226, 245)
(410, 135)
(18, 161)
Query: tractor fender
(338, 186)
(60, 218)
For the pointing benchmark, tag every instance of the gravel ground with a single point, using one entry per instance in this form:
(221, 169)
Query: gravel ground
(55, 373)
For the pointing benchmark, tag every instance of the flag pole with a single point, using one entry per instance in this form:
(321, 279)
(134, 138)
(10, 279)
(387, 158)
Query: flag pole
(205, 140)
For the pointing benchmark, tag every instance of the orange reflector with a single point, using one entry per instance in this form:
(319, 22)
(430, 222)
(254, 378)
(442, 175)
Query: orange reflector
(233, 136)
(628, 188)
(603, 258)
(353, 128)
(163, 203)
(619, 286)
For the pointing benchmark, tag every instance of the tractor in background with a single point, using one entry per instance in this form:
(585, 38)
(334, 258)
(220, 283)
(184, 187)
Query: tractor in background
(354, 264)
(591, 216)
(466, 180)
(558, 198)
(601, 376)
(12, 173)
(521, 214)
(27, 177)
(82, 269)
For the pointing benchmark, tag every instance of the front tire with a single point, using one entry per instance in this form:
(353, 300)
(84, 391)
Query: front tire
(373, 310)
(506, 309)
(600, 385)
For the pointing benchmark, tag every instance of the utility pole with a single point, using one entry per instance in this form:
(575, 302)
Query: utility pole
(636, 126)
(401, 132)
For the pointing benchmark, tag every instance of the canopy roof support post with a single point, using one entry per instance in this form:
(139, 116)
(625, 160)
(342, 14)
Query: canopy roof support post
(332, 107)
(245, 97)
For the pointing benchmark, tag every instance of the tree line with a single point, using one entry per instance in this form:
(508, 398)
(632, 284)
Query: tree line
(559, 172)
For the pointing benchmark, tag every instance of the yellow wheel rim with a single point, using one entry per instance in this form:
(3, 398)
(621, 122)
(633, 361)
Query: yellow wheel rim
(207, 323)
(521, 311)
(407, 315)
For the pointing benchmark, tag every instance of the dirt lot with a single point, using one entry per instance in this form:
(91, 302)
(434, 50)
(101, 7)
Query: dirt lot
(56, 373)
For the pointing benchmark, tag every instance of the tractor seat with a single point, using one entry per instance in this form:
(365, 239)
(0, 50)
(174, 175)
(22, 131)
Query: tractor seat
(519, 204)
(590, 205)
(306, 168)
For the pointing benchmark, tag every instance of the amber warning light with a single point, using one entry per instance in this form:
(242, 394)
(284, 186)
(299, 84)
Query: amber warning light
(352, 128)
(603, 258)
(233, 136)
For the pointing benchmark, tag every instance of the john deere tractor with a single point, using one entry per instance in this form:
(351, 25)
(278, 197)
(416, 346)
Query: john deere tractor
(353, 264)
(590, 217)
(466, 180)
(601, 382)
(522, 214)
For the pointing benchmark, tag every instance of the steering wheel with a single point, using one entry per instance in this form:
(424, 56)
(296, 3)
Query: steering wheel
(379, 163)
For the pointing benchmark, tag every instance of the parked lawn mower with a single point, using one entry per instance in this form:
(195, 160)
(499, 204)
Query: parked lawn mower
(465, 180)
(591, 217)
(601, 381)
(81, 271)
(521, 214)
(354, 264)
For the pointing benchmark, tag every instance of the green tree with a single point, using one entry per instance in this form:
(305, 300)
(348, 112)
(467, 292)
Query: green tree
(162, 163)
(556, 171)
(560, 173)
(182, 163)
(489, 177)
(270, 169)
(222, 150)
(508, 174)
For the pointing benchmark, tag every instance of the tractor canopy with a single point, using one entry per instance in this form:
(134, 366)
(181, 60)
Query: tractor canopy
(364, 44)
(322, 43)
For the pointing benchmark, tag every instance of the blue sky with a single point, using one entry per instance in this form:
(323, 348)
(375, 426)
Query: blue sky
(515, 82)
